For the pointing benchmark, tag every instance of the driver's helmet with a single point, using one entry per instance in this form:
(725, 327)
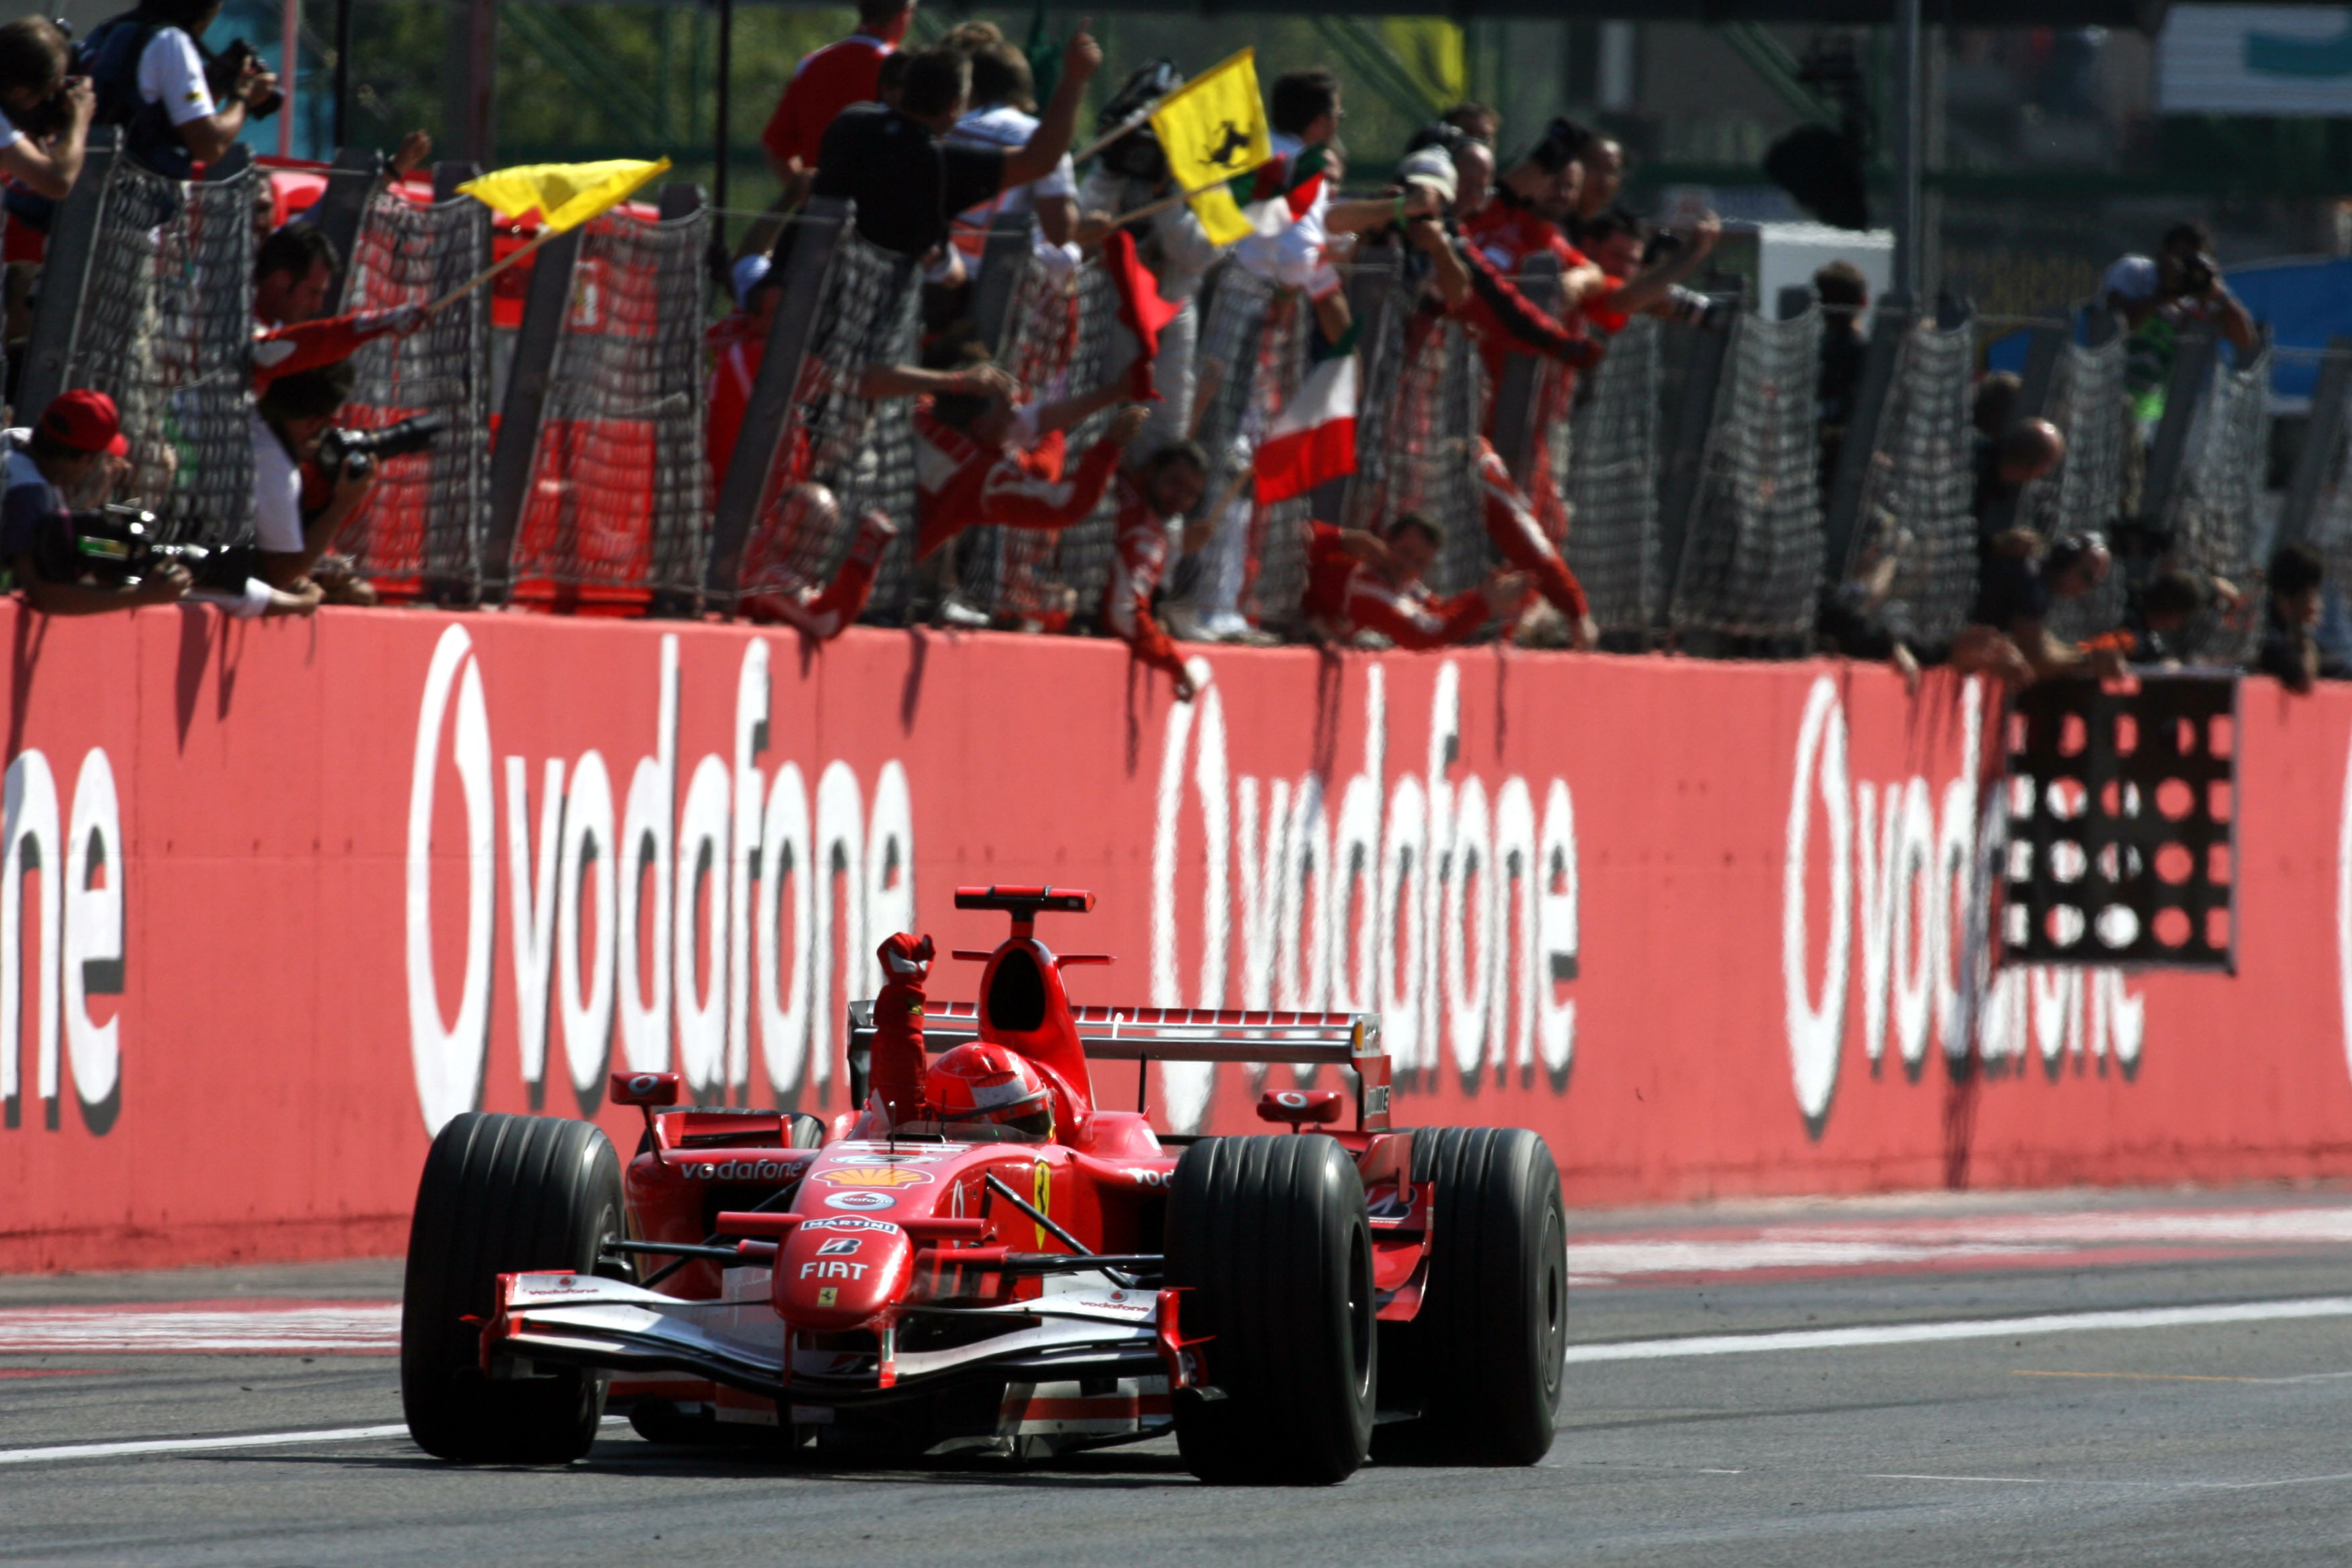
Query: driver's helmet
(979, 1082)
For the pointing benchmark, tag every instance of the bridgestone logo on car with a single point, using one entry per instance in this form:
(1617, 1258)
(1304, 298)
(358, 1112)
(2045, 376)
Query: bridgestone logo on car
(740, 1171)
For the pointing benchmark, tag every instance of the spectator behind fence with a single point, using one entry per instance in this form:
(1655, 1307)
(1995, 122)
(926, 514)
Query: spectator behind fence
(906, 182)
(1475, 120)
(68, 459)
(1618, 244)
(829, 80)
(45, 111)
(1993, 408)
(2029, 449)
(1844, 295)
(298, 509)
(2021, 576)
(1358, 582)
(981, 459)
(2163, 615)
(293, 274)
(2291, 649)
(1003, 115)
(150, 76)
(2158, 299)
(1604, 181)
(1133, 173)
(1150, 498)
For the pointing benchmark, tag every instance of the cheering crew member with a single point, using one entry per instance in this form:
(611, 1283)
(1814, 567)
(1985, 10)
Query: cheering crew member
(1618, 244)
(823, 614)
(1150, 499)
(982, 460)
(1357, 582)
(894, 1070)
(1466, 284)
(828, 81)
(292, 274)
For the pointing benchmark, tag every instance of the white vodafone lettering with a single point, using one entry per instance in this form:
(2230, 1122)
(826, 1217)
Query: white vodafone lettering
(698, 923)
(1905, 878)
(1435, 898)
(70, 948)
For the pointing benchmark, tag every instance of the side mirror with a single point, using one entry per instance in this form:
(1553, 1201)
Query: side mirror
(645, 1088)
(1298, 1106)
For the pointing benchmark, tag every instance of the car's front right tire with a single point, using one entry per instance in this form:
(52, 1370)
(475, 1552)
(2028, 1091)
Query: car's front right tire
(501, 1195)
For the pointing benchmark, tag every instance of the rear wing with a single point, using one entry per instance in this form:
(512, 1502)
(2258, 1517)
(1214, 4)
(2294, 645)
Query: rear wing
(1177, 1035)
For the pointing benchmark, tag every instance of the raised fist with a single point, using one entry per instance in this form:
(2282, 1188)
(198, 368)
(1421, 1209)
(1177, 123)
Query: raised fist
(905, 961)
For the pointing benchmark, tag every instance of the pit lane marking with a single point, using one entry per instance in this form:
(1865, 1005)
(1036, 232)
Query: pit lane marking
(1964, 1329)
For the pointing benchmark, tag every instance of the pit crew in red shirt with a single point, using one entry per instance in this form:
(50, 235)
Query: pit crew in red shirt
(1166, 486)
(982, 459)
(1618, 243)
(828, 81)
(1360, 582)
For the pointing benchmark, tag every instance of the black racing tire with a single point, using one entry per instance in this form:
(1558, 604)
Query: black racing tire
(1483, 1358)
(501, 1195)
(1268, 1239)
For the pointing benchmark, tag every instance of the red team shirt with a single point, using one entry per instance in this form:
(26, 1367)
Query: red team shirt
(1350, 596)
(825, 84)
(1139, 556)
(961, 484)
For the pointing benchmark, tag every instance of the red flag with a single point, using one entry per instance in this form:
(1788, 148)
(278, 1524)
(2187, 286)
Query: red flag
(1314, 437)
(1141, 311)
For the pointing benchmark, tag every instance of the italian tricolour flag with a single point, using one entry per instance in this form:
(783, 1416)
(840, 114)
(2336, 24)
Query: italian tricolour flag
(1314, 437)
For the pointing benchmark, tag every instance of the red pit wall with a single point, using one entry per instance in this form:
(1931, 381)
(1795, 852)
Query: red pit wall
(269, 1085)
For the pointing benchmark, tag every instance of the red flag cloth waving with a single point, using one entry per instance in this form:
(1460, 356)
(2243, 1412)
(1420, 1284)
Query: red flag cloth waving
(1141, 311)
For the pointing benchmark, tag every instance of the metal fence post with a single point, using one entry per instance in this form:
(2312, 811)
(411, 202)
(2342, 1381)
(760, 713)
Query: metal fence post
(1002, 265)
(1515, 395)
(353, 180)
(65, 273)
(2193, 359)
(1684, 488)
(2331, 398)
(1371, 295)
(1890, 329)
(467, 589)
(545, 309)
(821, 225)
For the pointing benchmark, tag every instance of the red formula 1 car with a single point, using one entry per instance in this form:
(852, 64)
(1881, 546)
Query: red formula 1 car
(988, 1259)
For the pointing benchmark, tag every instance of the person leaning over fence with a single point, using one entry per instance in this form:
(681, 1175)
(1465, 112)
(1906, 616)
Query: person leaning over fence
(1844, 296)
(906, 183)
(1150, 499)
(2021, 578)
(150, 74)
(297, 507)
(1620, 244)
(1130, 175)
(69, 458)
(983, 459)
(2027, 450)
(2291, 648)
(1358, 582)
(45, 111)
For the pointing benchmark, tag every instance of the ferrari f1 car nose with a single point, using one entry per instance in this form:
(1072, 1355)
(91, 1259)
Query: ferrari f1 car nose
(838, 1273)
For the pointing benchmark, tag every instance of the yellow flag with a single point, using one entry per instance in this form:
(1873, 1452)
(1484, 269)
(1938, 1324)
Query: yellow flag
(1213, 128)
(565, 196)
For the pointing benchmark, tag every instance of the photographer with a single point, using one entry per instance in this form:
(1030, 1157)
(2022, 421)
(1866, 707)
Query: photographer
(69, 455)
(155, 81)
(41, 103)
(290, 423)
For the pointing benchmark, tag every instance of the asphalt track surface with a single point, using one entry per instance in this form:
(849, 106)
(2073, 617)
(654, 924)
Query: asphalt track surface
(2079, 1379)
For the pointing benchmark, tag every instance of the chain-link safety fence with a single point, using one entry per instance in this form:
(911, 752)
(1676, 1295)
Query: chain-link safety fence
(1417, 435)
(165, 328)
(422, 522)
(2215, 518)
(2085, 492)
(1751, 558)
(618, 508)
(1612, 537)
(1915, 541)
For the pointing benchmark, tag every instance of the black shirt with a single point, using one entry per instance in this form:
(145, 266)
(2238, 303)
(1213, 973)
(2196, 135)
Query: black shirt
(2009, 590)
(906, 182)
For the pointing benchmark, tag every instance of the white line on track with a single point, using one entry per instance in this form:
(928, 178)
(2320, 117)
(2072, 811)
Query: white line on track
(197, 1445)
(1965, 1329)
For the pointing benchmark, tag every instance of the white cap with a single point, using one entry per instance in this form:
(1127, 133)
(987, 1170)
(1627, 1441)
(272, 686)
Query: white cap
(1433, 167)
(2132, 277)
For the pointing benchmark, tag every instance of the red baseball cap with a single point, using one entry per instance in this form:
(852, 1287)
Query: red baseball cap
(87, 422)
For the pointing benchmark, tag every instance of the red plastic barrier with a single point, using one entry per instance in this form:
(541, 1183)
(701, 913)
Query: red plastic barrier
(278, 897)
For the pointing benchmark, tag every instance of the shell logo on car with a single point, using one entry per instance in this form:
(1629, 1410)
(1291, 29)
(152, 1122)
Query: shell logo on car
(874, 1176)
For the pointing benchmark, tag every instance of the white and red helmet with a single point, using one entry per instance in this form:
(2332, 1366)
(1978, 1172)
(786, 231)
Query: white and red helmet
(981, 1082)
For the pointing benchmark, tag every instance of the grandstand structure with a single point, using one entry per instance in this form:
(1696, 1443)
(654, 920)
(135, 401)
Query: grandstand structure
(1691, 495)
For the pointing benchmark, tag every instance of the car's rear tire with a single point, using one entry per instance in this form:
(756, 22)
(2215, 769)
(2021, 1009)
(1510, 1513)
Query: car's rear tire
(1268, 1239)
(501, 1195)
(1483, 1358)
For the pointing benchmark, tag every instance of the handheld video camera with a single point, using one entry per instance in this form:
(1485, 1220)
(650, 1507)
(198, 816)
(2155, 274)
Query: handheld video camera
(355, 453)
(230, 64)
(116, 545)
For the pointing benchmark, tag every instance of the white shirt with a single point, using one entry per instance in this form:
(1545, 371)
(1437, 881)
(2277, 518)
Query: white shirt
(172, 73)
(9, 135)
(1009, 129)
(277, 493)
(1292, 257)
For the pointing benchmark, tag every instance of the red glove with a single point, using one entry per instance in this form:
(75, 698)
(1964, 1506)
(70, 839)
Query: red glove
(895, 1074)
(1140, 387)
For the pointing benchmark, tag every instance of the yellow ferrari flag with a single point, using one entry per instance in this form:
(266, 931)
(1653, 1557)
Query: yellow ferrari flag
(1213, 128)
(565, 196)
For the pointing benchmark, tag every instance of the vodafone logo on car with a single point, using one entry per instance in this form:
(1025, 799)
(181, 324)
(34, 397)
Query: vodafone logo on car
(860, 1200)
(680, 968)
